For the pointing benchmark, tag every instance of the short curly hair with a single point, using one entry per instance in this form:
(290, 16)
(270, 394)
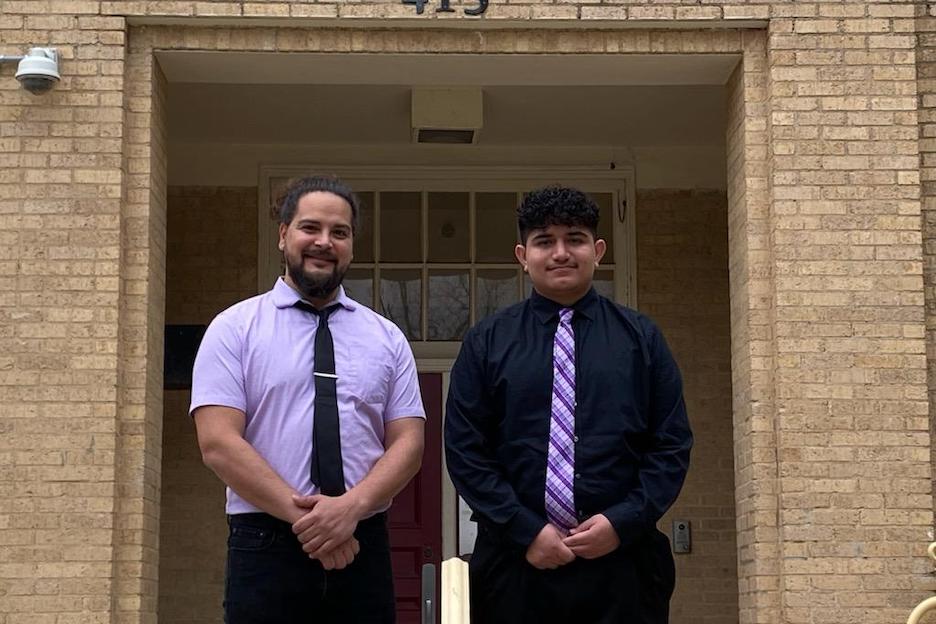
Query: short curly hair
(556, 205)
(297, 189)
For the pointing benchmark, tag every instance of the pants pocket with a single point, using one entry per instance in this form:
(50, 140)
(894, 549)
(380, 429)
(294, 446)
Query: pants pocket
(250, 538)
(268, 580)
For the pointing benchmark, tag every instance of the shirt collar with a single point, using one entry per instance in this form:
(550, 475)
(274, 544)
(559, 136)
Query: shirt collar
(285, 297)
(547, 309)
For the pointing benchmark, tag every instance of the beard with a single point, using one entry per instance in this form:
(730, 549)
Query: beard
(315, 286)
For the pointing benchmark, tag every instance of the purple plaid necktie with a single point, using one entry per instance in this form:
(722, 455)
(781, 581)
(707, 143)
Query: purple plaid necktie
(560, 462)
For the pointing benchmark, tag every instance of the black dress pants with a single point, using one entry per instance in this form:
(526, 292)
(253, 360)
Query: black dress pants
(270, 580)
(628, 586)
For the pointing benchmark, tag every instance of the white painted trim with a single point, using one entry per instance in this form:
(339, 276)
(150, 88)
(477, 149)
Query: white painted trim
(625, 244)
(424, 269)
(434, 365)
(449, 495)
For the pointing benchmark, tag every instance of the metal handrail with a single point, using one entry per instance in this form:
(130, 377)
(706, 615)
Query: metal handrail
(928, 604)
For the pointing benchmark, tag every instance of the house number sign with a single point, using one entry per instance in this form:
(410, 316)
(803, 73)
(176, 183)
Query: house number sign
(445, 7)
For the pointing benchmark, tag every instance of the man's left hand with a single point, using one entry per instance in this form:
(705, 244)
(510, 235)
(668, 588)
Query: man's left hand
(341, 557)
(593, 538)
(330, 522)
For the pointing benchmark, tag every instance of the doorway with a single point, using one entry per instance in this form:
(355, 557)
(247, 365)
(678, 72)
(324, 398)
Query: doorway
(414, 519)
(219, 165)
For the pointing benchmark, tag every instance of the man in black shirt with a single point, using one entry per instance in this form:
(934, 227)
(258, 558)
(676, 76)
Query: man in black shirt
(566, 432)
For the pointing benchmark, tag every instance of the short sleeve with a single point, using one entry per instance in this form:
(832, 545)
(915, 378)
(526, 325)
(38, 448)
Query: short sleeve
(403, 399)
(218, 375)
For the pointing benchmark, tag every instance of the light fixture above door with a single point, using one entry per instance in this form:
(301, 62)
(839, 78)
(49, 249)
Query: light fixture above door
(452, 115)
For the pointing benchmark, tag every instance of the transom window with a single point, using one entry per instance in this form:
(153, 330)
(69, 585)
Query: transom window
(435, 256)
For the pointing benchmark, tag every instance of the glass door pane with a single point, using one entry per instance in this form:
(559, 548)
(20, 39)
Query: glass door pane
(495, 290)
(364, 235)
(359, 285)
(401, 299)
(448, 227)
(496, 217)
(449, 296)
(401, 227)
(604, 283)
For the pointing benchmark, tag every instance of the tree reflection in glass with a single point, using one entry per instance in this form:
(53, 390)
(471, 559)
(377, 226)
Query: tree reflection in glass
(496, 289)
(401, 299)
(449, 294)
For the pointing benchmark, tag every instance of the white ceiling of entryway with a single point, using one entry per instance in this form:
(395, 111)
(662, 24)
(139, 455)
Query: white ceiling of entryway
(230, 111)
(559, 115)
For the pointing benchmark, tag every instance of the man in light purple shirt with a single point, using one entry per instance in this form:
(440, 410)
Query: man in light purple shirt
(294, 553)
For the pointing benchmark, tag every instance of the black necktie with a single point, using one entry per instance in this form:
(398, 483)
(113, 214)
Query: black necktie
(326, 469)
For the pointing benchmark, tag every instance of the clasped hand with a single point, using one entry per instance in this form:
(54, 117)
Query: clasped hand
(326, 531)
(593, 538)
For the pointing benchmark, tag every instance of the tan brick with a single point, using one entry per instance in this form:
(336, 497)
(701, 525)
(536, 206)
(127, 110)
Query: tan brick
(807, 26)
(211, 9)
(651, 13)
(266, 9)
(314, 10)
(604, 12)
(746, 11)
(698, 13)
(831, 167)
(555, 12)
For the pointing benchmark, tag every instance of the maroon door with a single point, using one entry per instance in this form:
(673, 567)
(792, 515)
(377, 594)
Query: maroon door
(416, 514)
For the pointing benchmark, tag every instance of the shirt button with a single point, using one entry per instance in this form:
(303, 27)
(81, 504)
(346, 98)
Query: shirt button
(578, 475)
(575, 438)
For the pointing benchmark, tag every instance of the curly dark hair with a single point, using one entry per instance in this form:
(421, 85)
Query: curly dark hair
(289, 201)
(556, 205)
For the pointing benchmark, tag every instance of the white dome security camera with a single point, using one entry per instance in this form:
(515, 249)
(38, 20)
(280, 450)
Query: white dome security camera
(38, 70)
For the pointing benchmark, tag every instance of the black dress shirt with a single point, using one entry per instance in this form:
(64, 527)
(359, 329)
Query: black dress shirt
(632, 436)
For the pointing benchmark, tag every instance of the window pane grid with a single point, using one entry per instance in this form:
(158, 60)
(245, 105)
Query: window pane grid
(483, 282)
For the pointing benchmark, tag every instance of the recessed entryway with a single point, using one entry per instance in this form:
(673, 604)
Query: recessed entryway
(645, 134)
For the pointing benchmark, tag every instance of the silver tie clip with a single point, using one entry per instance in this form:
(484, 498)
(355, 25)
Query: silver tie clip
(329, 375)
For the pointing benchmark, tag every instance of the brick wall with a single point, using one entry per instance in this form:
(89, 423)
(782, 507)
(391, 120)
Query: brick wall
(682, 278)
(211, 264)
(752, 348)
(926, 73)
(853, 443)
(193, 534)
(832, 432)
(140, 328)
(61, 188)
(211, 251)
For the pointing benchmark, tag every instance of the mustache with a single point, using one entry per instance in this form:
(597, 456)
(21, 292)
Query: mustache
(319, 255)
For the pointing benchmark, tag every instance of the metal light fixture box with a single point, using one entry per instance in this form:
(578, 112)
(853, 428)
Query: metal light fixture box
(447, 114)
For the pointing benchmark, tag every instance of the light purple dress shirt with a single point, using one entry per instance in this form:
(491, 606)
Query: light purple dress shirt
(257, 357)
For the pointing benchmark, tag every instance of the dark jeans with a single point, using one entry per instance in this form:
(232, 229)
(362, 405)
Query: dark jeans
(269, 579)
(628, 586)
